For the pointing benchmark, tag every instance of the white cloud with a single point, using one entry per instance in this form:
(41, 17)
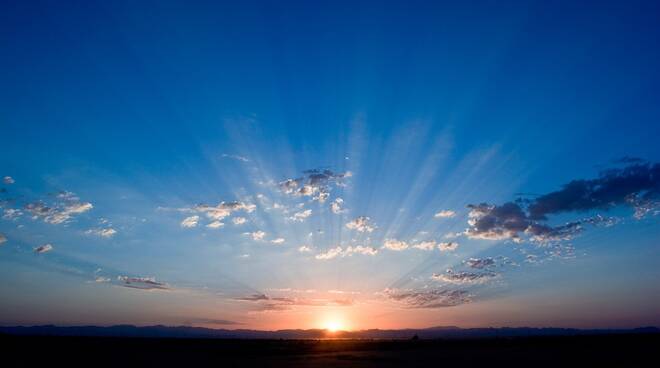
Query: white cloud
(397, 245)
(105, 233)
(445, 214)
(257, 235)
(304, 249)
(278, 241)
(189, 222)
(236, 157)
(336, 206)
(43, 248)
(300, 216)
(447, 246)
(239, 220)
(361, 224)
(224, 209)
(8, 180)
(66, 206)
(425, 245)
(215, 225)
(12, 214)
(346, 252)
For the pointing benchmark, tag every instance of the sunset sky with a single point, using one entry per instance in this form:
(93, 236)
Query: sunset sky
(330, 164)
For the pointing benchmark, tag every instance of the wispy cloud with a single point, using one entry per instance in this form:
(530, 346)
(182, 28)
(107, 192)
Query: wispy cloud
(301, 216)
(236, 157)
(346, 252)
(464, 277)
(445, 214)
(142, 283)
(104, 233)
(190, 221)
(428, 298)
(65, 206)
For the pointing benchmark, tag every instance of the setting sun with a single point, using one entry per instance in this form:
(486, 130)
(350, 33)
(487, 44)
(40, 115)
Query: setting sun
(333, 326)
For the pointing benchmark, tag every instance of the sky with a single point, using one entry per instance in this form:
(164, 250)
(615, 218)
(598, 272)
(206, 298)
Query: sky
(336, 164)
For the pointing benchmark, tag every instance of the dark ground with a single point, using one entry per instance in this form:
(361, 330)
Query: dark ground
(588, 351)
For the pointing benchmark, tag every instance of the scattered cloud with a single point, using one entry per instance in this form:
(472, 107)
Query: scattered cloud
(315, 183)
(336, 206)
(396, 245)
(142, 283)
(257, 235)
(428, 298)
(65, 206)
(447, 246)
(361, 224)
(12, 213)
(464, 277)
(43, 248)
(236, 157)
(276, 303)
(304, 249)
(8, 180)
(346, 252)
(301, 216)
(190, 221)
(278, 241)
(239, 220)
(480, 263)
(224, 209)
(445, 214)
(215, 225)
(104, 233)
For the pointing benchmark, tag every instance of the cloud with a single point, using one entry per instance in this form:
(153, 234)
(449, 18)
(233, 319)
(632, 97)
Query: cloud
(465, 277)
(447, 246)
(336, 206)
(215, 225)
(257, 235)
(43, 248)
(253, 298)
(224, 209)
(142, 283)
(191, 221)
(300, 216)
(361, 224)
(278, 241)
(304, 249)
(211, 321)
(102, 279)
(396, 245)
(8, 180)
(3, 238)
(105, 233)
(276, 303)
(12, 214)
(433, 298)
(445, 214)
(314, 183)
(480, 263)
(346, 252)
(239, 220)
(235, 157)
(636, 185)
(425, 245)
(66, 205)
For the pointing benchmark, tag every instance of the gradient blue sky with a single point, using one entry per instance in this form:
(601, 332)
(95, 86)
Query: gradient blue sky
(149, 144)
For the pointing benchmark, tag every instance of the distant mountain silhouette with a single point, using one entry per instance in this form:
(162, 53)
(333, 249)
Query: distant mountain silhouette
(439, 332)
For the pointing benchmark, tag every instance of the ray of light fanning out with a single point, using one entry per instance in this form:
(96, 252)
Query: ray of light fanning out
(342, 167)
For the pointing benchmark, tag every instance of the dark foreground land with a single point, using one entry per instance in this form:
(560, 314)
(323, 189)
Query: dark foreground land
(590, 351)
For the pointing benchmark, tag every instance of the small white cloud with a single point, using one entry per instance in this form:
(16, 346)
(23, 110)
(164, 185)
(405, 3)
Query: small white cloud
(235, 157)
(43, 248)
(101, 279)
(8, 180)
(189, 222)
(397, 245)
(445, 214)
(215, 225)
(425, 245)
(336, 206)
(257, 235)
(304, 249)
(361, 224)
(278, 241)
(12, 214)
(346, 252)
(300, 216)
(447, 246)
(105, 233)
(239, 220)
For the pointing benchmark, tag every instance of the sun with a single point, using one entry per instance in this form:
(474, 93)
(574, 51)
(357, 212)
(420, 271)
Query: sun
(333, 326)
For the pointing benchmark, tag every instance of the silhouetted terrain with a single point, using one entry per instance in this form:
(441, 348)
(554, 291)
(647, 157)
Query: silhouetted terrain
(622, 349)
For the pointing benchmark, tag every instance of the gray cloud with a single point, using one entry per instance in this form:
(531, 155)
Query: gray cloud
(43, 248)
(314, 183)
(142, 283)
(464, 277)
(433, 298)
(480, 263)
(66, 205)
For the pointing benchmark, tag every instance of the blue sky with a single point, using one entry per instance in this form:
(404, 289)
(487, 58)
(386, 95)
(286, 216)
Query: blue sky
(268, 165)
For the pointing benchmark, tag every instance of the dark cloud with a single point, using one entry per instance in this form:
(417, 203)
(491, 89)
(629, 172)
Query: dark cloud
(142, 283)
(636, 185)
(465, 277)
(434, 298)
(315, 183)
(480, 263)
